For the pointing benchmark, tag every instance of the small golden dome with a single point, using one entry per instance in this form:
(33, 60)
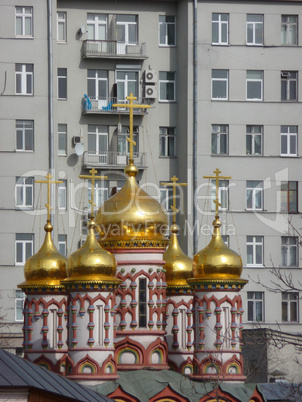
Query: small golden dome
(178, 265)
(91, 263)
(217, 261)
(131, 214)
(47, 267)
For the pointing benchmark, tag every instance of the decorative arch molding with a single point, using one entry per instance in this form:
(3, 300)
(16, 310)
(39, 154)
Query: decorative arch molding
(131, 347)
(187, 365)
(234, 363)
(109, 367)
(87, 366)
(218, 395)
(172, 366)
(209, 362)
(168, 394)
(43, 361)
(256, 396)
(159, 348)
(119, 395)
(61, 365)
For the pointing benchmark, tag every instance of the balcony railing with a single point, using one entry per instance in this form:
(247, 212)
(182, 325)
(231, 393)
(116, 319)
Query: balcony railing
(113, 159)
(113, 49)
(104, 105)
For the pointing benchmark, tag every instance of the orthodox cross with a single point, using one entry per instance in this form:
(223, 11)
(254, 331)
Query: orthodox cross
(217, 178)
(48, 182)
(174, 184)
(92, 177)
(131, 106)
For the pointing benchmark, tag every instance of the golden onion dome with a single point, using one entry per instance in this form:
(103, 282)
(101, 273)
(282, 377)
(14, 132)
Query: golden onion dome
(91, 263)
(178, 265)
(46, 268)
(131, 215)
(217, 261)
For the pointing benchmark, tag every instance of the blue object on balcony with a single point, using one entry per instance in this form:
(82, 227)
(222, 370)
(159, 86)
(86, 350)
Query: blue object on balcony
(108, 107)
(87, 102)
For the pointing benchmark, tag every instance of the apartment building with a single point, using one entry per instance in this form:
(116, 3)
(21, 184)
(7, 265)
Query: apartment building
(222, 80)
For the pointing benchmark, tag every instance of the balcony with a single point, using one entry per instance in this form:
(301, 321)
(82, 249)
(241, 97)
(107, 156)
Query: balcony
(112, 49)
(104, 106)
(113, 160)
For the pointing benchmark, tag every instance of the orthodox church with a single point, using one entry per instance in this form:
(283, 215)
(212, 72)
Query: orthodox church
(130, 299)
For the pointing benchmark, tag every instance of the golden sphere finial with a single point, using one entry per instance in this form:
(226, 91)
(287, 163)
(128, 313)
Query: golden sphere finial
(131, 170)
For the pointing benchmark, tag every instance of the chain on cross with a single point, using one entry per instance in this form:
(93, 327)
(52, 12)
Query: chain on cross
(174, 184)
(48, 182)
(131, 106)
(217, 178)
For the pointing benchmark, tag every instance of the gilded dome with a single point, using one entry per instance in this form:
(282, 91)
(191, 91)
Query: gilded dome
(178, 265)
(46, 268)
(131, 215)
(217, 261)
(91, 263)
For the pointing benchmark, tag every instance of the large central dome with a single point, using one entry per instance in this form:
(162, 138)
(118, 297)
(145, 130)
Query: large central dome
(132, 216)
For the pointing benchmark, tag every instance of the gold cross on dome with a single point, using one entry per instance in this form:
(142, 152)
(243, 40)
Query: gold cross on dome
(174, 184)
(131, 106)
(48, 182)
(92, 177)
(217, 178)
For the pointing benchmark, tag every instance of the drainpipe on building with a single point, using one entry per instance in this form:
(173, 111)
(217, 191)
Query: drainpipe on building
(50, 102)
(195, 104)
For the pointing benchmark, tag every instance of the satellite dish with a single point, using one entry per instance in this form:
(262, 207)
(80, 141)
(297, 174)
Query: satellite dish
(79, 149)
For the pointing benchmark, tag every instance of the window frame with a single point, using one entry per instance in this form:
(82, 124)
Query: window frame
(167, 142)
(62, 134)
(287, 78)
(254, 28)
(22, 186)
(19, 297)
(220, 23)
(289, 24)
(222, 133)
(62, 21)
(25, 79)
(252, 302)
(220, 80)
(250, 132)
(24, 16)
(167, 82)
(61, 81)
(250, 81)
(142, 304)
(288, 191)
(286, 251)
(254, 243)
(101, 192)
(62, 195)
(62, 240)
(23, 130)
(166, 25)
(254, 191)
(289, 135)
(223, 194)
(96, 22)
(24, 242)
(289, 302)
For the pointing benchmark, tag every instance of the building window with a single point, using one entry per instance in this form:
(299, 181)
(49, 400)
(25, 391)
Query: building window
(289, 30)
(24, 135)
(220, 29)
(254, 195)
(220, 84)
(289, 135)
(167, 30)
(97, 86)
(167, 86)
(62, 244)
(254, 140)
(142, 303)
(19, 305)
(223, 194)
(100, 192)
(24, 192)
(254, 85)
(255, 306)
(289, 196)
(123, 144)
(24, 79)
(62, 195)
(226, 240)
(61, 26)
(24, 21)
(24, 247)
(62, 83)
(167, 141)
(254, 29)
(127, 83)
(96, 26)
(254, 250)
(62, 139)
(289, 85)
(126, 26)
(220, 139)
(289, 251)
(98, 143)
(290, 306)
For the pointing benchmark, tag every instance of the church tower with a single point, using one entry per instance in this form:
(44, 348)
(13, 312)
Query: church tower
(217, 308)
